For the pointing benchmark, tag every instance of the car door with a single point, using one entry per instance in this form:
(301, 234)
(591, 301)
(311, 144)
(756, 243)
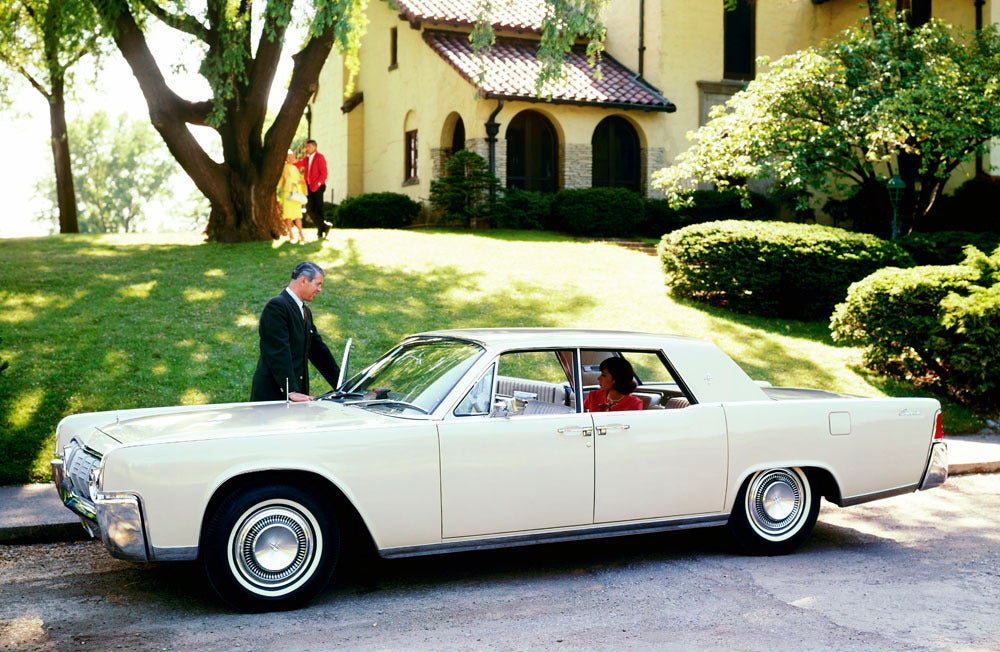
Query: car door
(669, 460)
(530, 469)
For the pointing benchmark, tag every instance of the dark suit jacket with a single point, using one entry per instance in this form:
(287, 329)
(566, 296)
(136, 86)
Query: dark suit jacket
(287, 345)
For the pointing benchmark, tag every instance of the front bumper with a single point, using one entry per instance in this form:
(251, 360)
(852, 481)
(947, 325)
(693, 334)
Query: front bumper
(115, 518)
(937, 466)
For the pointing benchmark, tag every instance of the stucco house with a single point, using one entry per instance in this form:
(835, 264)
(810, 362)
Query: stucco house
(422, 93)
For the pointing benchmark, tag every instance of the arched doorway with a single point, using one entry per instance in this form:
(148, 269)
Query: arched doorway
(458, 136)
(615, 146)
(532, 153)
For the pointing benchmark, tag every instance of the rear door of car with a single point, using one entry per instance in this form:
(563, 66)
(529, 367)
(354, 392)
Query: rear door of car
(668, 460)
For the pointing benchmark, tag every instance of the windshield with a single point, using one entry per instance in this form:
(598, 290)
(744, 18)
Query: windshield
(415, 376)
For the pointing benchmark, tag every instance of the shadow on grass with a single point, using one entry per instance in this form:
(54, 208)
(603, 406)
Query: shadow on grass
(90, 326)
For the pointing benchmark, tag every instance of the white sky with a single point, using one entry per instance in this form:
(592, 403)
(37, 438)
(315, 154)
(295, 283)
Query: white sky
(24, 132)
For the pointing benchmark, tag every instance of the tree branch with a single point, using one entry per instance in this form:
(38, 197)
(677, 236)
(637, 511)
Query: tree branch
(308, 64)
(265, 64)
(167, 111)
(183, 22)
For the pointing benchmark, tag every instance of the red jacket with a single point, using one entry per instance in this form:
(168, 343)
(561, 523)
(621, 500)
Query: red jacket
(315, 175)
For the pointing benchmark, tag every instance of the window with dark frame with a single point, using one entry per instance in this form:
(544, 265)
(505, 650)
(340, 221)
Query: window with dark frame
(392, 48)
(410, 156)
(918, 12)
(739, 47)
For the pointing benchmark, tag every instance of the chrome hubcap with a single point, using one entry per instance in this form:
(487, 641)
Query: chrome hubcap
(776, 503)
(274, 546)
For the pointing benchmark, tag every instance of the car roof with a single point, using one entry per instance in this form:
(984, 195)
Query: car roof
(533, 337)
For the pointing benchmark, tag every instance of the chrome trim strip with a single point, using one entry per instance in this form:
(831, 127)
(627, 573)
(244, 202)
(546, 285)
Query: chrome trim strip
(174, 553)
(466, 545)
(936, 471)
(877, 495)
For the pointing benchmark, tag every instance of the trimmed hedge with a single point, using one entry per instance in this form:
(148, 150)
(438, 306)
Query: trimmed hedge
(946, 247)
(778, 269)
(377, 210)
(523, 209)
(598, 212)
(937, 325)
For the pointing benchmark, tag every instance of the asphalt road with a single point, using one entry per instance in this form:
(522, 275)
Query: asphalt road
(920, 571)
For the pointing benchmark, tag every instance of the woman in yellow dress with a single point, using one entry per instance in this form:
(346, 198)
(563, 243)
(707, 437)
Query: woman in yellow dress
(291, 194)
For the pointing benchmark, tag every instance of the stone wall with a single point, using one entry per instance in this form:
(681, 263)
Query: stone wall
(651, 159)
(575, 165)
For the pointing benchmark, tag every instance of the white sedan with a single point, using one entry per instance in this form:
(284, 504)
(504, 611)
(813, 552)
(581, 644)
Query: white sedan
(469, 439)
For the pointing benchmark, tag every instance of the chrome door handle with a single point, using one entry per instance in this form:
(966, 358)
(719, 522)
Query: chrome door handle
(617, 426)
(572, 430)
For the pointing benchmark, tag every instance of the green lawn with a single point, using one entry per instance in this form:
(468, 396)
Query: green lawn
(103, 322)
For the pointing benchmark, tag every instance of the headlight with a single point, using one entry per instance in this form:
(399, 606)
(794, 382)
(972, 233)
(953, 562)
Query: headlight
(96, 482)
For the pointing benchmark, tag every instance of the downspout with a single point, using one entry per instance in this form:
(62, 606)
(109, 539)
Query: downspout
(642, 34)
(979, 28)
(492, 129)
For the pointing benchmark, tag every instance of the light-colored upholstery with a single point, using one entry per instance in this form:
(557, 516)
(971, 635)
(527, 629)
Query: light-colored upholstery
(676, 402)
(543, 391)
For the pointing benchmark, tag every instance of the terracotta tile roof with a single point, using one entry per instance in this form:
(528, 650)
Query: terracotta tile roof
(521, 15)
(512, 68)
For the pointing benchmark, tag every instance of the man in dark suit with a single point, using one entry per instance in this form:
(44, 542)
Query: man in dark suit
(289, 341)
(313, 166)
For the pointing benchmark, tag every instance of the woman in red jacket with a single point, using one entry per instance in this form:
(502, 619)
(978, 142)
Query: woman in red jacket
(617, 382)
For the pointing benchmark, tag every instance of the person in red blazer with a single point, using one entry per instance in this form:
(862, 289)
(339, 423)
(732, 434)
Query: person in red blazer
(314, 172)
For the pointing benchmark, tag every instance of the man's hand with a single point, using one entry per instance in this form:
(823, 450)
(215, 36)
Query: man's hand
(298, 397)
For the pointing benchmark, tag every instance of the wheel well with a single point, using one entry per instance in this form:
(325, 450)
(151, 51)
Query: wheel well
(824, 483)
(354, 532)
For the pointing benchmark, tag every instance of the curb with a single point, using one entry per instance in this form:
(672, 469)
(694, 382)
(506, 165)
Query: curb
(973, 467)
(48, 533)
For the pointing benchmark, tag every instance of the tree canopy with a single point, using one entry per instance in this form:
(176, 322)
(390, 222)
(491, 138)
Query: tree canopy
(876, 100)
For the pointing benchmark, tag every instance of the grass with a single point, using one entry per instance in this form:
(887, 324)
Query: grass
(105, 322)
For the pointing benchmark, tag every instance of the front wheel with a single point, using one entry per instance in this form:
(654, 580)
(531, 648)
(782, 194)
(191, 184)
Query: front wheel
(774, 512)
(270, 547)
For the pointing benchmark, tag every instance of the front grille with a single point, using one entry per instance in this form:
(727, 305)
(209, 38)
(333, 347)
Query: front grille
(79, 464)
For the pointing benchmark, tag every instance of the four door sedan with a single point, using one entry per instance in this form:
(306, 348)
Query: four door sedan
(469, 439)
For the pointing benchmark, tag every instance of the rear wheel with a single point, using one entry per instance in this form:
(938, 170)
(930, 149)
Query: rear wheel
(775, 511)
(270, 547)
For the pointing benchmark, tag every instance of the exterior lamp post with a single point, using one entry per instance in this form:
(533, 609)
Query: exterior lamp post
(896, 188)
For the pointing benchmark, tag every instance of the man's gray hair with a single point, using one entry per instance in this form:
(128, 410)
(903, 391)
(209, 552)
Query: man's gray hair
(307, 269)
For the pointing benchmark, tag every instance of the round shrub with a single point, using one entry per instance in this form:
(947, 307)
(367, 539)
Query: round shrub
(598, 212)
(946, 247)
(937, 325)
(377, 210)
(779, 269)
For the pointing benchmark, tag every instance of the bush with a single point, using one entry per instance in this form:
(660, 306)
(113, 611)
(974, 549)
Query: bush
(377, 210)
(946, 247)
(937, 325)
(707, 206)
(523, 209)
(772, 268)
(463, 191)
(598, 212)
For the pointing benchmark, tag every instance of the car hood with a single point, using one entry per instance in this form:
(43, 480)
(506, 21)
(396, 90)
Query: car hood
(207, 422)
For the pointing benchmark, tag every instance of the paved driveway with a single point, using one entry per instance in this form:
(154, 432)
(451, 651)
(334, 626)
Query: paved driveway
(920, 571)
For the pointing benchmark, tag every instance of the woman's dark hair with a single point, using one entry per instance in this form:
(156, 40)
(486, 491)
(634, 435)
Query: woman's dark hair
(622, 373)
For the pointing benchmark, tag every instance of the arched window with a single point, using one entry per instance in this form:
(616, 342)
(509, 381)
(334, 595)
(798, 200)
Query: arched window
(532, 153)
(615, 146)
(458, 136)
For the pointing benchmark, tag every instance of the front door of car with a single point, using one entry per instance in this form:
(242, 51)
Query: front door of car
(659, 463)
(517, 473)
(514, 471)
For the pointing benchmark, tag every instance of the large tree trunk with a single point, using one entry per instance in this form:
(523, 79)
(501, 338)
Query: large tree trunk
(65, 193)
(251, 214)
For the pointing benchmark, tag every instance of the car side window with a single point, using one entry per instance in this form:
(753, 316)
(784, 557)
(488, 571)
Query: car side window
(657, 387)
(535, 383)
(477, 401)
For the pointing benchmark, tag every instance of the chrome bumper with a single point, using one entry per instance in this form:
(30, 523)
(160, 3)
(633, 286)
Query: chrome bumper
(937, 466)
(114, 518)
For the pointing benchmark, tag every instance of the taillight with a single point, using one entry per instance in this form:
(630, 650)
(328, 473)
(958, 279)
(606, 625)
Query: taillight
(938, 430)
